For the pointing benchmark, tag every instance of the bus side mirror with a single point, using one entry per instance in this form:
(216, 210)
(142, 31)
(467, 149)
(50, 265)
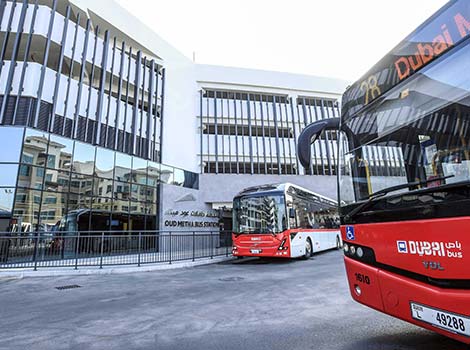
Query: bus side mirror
(309, 135)
(291, 213)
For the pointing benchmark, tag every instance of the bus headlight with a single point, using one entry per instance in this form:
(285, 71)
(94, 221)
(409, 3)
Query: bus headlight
(359, 252)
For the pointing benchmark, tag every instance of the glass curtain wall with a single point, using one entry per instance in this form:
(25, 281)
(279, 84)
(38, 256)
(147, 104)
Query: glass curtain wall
(48, 181)
(64, 75)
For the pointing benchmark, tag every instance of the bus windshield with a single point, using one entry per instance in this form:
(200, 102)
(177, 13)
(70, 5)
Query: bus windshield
(418, 132)
(259, 214)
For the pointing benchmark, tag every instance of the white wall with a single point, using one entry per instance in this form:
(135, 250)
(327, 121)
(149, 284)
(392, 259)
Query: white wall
(268, 81)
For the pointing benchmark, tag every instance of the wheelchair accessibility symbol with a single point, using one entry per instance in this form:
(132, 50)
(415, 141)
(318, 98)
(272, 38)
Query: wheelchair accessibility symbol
(350, 233)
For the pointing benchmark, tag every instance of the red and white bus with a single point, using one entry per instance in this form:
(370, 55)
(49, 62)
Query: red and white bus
(284, 221)
(404, 177)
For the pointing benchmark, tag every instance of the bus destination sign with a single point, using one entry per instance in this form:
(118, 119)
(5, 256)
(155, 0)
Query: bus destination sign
(449, 26)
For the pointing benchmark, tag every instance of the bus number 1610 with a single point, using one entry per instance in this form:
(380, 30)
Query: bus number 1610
(362, 278)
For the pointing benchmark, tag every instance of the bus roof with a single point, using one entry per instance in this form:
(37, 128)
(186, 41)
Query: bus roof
(445, 29)
(276, 188)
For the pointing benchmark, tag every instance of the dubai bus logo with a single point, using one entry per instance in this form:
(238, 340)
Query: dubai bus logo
(424, 248)
(402, 247)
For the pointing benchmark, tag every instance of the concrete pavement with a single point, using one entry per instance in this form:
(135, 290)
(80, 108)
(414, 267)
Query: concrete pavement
(246, 304)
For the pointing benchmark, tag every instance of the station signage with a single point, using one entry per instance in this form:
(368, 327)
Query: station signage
(191, 218)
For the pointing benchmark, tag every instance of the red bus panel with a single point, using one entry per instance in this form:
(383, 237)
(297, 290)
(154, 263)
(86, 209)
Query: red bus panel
(406, 254)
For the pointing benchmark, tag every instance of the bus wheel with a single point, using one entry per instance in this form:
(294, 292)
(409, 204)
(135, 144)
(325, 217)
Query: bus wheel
(308, 249)
(338, 243)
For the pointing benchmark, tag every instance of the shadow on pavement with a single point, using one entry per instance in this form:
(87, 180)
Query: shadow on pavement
(259, 261)
(416, 340)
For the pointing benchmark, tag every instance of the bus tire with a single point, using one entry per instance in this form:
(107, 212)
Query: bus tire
(338, 243)
(308, 249)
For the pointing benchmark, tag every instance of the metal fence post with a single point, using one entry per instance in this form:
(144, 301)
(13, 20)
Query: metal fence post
(102, 250)
(36, 243)
(76, 249)
(194, 245)
(140, 242)
(170, 247)
(226, 243)
(212, 244)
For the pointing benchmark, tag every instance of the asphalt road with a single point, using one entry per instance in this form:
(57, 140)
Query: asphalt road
(245, 304)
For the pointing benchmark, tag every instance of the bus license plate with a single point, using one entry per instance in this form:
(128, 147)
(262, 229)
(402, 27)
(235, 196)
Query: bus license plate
(255, 251)
(446, 320)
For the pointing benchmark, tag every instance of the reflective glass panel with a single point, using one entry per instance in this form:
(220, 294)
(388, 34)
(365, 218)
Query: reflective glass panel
(153, 174)
(102, 204)
(60, 153)
(31, 176)
(139, 170)
(11, 140)
(8, 174)
(191, 180)
(123, 167)
(137, 208)
(136, 220)
(138, 192)
(104, 164)
(78, 202)
(53, 209)
(103, 187)
(26, 209)
(121, 193)
(57, 180)
(82, 184)
(166, 174)
(151, 223)
(6, 199)
(35, 148)
(83, 158)
(152, 195)
(178, 179)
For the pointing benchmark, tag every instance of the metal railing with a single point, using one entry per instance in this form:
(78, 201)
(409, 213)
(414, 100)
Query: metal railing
(80, 249)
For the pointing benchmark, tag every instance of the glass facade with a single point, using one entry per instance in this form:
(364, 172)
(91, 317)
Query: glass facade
(48, 182)
(62, 74)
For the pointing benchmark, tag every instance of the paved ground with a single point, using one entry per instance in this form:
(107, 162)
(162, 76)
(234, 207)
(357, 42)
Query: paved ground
(247, 304)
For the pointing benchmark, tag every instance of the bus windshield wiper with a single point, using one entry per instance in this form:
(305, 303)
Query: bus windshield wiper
(387, 190)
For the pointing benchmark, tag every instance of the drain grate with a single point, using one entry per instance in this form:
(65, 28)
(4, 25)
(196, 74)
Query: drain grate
(231, 279)
(70, 286)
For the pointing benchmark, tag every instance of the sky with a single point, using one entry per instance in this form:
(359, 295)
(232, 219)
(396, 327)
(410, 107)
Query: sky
(332, 38)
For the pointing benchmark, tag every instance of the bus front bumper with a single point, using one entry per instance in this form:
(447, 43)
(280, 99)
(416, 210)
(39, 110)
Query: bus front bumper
(396, 295)
(265, 252)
